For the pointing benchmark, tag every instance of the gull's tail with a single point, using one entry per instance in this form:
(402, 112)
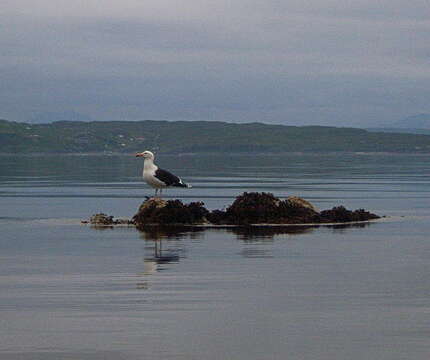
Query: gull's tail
(180, 183)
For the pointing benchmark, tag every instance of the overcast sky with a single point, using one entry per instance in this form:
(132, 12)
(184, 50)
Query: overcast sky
(327, 62)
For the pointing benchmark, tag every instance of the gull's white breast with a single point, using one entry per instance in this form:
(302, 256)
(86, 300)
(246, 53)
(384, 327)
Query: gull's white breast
(149, 177)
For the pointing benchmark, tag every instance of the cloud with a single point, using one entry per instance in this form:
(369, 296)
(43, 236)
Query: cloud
(332, 61)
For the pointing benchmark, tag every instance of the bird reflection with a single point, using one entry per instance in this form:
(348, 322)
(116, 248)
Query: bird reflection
(156, 257)
(152, 263)
(157, 253)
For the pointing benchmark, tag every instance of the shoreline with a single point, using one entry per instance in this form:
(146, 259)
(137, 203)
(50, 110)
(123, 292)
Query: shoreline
(79, 222)
(241, 226)
(268, 153)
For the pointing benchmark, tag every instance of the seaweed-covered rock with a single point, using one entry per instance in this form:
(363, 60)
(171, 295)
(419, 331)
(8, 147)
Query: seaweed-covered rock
(265, 208)
(296, 201)
(147, 208)
(249, 208)
(296, 211)
(157, 211)
(341, 214)
(217, 217)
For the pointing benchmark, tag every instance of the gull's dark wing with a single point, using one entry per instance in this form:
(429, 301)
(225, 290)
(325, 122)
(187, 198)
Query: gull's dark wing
(168, 178)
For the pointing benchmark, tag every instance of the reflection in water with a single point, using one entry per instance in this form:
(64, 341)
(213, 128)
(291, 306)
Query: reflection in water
(243, 233)
(264, 233)
(163, 244)
(169, 232)
(341, 228)
(255, 238)
(254, 253)
(154, 260)
(101, 227)
(328, 293)
(159, 250)
(267, 233)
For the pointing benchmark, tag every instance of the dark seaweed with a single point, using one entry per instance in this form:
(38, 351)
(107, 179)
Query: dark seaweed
(171, 212)
(248, 208)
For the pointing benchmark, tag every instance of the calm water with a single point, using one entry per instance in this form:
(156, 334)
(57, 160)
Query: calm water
(69, 291)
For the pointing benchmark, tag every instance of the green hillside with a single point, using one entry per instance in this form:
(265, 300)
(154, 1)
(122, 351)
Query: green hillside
(197, 136)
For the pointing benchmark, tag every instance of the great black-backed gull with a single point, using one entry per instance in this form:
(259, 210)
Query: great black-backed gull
(156, 177)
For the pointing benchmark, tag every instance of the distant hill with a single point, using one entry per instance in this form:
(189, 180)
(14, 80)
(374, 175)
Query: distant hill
(49, 117)
(197, 136)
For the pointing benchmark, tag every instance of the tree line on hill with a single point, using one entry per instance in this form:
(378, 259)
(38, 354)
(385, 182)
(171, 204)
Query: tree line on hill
(197, 136)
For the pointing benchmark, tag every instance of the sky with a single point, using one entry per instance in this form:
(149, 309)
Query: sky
(298, 62)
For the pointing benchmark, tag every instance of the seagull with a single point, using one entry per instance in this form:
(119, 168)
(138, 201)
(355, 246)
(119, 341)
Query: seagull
(156, 177)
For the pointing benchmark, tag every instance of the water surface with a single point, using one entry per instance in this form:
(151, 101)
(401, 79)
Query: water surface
(69, 291)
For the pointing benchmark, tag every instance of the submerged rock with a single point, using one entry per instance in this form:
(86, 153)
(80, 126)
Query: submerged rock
(102, 219)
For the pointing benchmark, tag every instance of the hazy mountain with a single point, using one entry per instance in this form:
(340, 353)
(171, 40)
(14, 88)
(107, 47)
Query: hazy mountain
(197, 136)
(416, 124)
(49, 117)
(421, 121)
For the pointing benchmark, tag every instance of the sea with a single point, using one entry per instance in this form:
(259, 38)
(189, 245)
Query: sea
(72, 291)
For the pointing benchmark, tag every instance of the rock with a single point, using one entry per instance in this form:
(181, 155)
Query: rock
(248, 208)
(151, 204)
(101, 219)
(297, 211)
(299, 202)
(252, 208)
(158, 211)
(217, 217)
(265, 208)
(341, 214)
(123, 222)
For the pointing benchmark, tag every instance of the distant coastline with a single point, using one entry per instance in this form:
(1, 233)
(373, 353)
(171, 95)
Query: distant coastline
(232, 154)
(199, 137)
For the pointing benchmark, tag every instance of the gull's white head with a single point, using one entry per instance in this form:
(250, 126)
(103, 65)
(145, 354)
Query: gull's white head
(146, 155)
